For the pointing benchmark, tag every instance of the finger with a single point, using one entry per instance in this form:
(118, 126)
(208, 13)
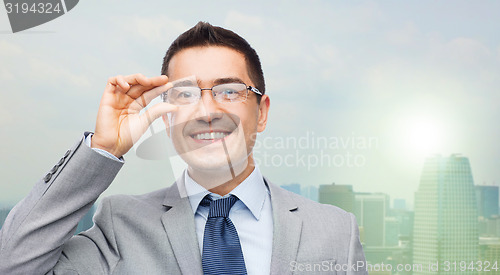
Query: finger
(137, 90)
(137, 79)
(140, 79)
(147, 96)
(120, 82)
(159, 80)
(110, 87)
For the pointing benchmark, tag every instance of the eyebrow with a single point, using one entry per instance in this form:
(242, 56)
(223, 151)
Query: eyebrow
(184, 83)
(218, 81)
(225, 80)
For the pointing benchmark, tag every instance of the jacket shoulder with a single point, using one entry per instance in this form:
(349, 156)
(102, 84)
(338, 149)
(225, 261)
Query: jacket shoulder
(122, 202)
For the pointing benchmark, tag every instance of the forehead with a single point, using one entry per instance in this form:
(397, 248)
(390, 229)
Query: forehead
(208, 64)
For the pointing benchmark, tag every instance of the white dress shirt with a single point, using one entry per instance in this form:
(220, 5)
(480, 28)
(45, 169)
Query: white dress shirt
(251, 215)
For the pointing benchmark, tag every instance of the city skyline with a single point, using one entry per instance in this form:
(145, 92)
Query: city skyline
(454, 220)
(306, 190)
(455, 223)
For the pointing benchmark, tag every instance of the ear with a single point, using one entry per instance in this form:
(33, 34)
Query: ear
(167, 124)
(263, 112)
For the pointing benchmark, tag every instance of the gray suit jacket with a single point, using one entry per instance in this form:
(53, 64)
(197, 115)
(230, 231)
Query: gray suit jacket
(155, 233)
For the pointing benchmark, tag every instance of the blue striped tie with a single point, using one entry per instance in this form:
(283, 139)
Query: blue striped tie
(221, 245)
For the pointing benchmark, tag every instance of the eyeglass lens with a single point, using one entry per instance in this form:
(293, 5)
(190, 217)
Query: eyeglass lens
(225, 93)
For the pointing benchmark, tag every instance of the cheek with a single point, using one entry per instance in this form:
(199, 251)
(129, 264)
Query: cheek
(249, 122)
(182, 115)
(176, 122)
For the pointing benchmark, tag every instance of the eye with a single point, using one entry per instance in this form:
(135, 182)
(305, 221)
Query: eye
(229, 92)
(184, 94)
(181, 93)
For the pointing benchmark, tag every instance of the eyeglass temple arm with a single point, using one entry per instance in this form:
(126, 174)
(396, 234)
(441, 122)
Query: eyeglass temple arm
(255, 90)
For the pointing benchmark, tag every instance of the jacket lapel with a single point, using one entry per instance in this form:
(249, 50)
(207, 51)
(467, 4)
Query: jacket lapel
(178, 222)
(287, 230)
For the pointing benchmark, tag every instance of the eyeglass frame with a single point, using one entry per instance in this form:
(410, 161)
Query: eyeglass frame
(248, 88)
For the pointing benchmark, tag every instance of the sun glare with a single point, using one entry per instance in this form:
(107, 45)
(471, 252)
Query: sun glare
(424, 135)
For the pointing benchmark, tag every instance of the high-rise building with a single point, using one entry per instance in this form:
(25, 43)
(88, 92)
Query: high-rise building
(392, 225)
(487, 200)
(292, 187)
(371, 211)
(339, 195)
(399, 204)
(489, 227)
(445, 222)
(310, 192)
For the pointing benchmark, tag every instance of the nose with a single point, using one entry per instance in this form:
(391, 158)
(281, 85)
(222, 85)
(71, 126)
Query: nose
(208, 108)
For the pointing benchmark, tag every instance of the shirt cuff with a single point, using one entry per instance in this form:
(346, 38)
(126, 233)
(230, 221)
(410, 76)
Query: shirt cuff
(88, 141)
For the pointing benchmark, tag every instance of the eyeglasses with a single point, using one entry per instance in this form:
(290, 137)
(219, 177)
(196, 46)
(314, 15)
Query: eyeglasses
(224, 93)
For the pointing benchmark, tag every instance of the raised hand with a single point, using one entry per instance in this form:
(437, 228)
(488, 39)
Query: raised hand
(119, 124)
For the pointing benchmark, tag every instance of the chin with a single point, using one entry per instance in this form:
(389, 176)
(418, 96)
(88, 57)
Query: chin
(207, 160)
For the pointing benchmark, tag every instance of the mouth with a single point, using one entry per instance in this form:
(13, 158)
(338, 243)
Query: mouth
(210, 136)
(203, 131)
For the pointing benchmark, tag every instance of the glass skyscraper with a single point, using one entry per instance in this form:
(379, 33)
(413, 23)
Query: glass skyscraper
(339, 195)
(487, 196)
(371, 212)
(445, 225)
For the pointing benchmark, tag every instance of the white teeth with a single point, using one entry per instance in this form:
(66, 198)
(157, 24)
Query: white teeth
(210, 136)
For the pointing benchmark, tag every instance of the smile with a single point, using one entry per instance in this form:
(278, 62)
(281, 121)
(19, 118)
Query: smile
(212, 136)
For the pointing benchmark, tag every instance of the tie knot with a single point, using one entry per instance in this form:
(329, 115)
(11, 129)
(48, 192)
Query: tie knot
(220, 207)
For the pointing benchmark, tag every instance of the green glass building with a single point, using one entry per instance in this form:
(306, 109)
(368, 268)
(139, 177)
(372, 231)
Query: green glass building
(445, 234)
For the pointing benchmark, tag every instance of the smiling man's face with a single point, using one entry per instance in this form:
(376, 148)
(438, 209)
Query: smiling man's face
(209, 135)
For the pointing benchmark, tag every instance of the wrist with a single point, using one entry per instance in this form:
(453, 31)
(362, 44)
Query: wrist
(95, 144)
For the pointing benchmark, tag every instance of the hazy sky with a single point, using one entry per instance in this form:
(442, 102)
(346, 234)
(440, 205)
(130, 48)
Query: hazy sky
(380, 83)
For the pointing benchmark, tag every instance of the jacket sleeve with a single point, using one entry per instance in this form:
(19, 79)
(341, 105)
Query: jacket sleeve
(37, 228)
(356, 260)
(94, 251)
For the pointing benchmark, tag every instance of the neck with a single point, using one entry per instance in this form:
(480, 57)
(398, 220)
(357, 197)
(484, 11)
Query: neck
(222, 182)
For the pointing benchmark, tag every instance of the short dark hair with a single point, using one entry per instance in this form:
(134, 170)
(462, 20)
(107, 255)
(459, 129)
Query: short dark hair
(205, 34)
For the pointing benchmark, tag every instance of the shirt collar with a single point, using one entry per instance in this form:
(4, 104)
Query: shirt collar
(252, 192)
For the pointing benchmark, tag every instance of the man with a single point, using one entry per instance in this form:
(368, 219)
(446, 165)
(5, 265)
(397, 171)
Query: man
(220, 217)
